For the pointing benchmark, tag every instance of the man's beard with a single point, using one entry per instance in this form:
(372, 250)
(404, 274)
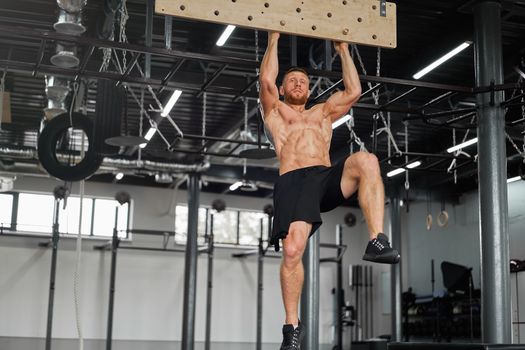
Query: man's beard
(292, 100)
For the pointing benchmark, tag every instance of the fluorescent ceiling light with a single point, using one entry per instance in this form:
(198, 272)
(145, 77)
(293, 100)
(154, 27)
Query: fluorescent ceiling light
(402, 170)
(225, 35)
(462, 145)
(119, 176)
(341, 120)
(395, 172)
(148, 136)
(442, 60)
(513, 179)
(235, 186)
(414, 164)
(171, 102)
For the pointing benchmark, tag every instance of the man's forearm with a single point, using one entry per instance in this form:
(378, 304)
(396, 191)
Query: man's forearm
(350, 75)
(270, 62)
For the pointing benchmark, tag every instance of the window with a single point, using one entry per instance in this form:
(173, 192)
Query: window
(68, 219)
(6, 210)
(225, 226)
(250, 227)
(35, 212)
(104, 218)
(181, 224)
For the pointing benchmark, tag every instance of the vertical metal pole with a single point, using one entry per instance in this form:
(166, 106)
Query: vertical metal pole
(190, 269)
(210, 287)
(328, 54)
(365, 311)
(150, 6)
(54, 254)
(395, 231)
(168, 31)
(114, 248)
(310, 294)
(339, 290)
(260, 289)
(372, 302)
(293, 50)
(492, 174)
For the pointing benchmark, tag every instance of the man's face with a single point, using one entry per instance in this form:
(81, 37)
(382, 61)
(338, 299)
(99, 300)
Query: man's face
(295, 88)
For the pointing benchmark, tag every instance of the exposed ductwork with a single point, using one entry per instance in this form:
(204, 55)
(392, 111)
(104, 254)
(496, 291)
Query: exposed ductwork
(112, 164)
(57, 90)
(69, 22)
(155, 166)
(65, 56)
(70, 17)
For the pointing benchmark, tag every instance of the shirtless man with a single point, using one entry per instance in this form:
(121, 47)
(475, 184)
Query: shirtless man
(308, 184)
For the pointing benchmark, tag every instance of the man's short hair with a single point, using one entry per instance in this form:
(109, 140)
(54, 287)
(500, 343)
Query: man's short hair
(294, 69)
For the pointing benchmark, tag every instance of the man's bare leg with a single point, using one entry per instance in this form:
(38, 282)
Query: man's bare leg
(362, 173)
(292, 271)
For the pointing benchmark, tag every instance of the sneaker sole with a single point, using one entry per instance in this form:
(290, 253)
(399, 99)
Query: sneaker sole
(382, 260)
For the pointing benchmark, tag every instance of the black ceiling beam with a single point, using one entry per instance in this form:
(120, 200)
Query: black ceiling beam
(174, 69)
(245, 90)
(32, 33)
(136, 81)
(210, 81)
(437, 99)
(397, 98)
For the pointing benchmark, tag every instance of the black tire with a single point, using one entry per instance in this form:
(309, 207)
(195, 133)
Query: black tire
(47, 148)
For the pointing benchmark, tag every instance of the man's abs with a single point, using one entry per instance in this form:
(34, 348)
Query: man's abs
(302, 148)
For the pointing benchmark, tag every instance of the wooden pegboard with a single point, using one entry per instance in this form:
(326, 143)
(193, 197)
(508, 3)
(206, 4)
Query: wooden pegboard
(355, 21)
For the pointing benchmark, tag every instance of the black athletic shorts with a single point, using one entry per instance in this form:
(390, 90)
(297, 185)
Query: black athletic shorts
(302, 195)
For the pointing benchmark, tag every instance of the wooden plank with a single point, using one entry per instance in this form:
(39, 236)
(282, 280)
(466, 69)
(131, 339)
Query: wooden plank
(356, 21)
(6, 113)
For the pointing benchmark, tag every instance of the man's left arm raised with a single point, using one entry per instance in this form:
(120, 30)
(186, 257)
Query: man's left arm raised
(340, 102)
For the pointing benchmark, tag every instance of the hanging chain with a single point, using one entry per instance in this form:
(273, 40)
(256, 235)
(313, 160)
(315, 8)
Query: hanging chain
(122, 32)
(2, 88)
(375, 95)
(454, 143)
(106, 56)
(389, 142)
(407, 183)
(257, 59)
(523, 117)
(246, 118)
(353, 135)
(204, 111)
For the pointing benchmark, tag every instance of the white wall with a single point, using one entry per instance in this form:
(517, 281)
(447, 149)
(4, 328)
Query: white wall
(459, 241)
(149, 285)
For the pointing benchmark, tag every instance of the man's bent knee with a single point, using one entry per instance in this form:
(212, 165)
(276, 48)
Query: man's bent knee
(367, 163)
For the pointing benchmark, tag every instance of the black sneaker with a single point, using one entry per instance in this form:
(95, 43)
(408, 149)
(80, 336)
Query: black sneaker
(292, 337)
(378, 250)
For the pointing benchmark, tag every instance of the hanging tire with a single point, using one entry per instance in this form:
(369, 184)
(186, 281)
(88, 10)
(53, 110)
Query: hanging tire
(47, 153)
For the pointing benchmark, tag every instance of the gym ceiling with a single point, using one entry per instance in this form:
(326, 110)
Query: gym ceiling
(431, 109)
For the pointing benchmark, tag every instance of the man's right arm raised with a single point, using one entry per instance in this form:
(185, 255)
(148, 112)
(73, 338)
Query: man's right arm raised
(268, 93)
